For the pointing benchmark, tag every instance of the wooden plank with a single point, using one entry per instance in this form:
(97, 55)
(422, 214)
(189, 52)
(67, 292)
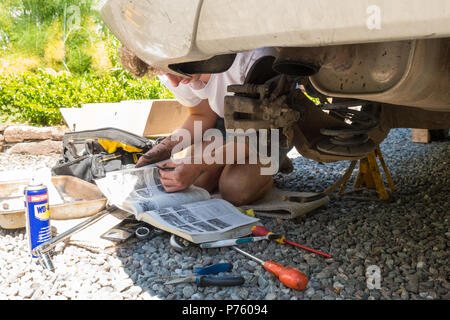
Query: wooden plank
(421, 135)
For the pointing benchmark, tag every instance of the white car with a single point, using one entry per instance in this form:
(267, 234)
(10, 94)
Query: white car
(373, 65)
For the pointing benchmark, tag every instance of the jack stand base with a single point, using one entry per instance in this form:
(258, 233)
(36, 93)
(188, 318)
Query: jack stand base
(369, 177)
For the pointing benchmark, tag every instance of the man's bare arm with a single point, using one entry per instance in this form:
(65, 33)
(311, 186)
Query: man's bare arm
(202, 112)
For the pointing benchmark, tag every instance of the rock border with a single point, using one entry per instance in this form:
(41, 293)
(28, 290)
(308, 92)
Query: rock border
(26, 139)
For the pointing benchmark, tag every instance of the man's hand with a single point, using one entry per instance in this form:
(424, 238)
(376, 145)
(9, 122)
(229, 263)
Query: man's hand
(177, 176)
(161, 151)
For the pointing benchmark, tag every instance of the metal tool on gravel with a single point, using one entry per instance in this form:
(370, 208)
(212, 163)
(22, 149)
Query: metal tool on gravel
(147, 232)
(178, 243)
(233, 242)
(43, 250)
(203, 277)
(142, 233)
(262, 231)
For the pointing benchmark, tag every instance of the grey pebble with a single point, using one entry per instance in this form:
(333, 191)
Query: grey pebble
(197, 296)
(262, 281)
(188, 291)
(234, 296)
(243, 293)
(310, 292)
(270, 296)
(324, 274)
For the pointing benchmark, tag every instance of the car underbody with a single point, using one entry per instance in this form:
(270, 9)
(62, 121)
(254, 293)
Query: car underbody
(335, 89)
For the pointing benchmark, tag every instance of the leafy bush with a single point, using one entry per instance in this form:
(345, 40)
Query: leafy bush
(36, 97)
(78, 61)
(61, 34)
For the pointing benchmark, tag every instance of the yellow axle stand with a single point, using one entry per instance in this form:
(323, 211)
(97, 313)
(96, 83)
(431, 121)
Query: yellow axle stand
(369, 176)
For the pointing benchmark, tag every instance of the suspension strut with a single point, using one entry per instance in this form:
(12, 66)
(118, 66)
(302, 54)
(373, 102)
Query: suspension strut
(360, 117)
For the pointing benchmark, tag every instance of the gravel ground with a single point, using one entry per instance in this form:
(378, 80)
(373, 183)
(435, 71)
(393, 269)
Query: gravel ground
(407, 239)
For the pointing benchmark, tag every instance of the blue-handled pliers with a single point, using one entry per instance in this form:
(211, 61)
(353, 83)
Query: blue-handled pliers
(202, 277)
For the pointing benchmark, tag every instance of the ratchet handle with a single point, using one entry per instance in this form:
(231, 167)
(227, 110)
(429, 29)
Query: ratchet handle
(215, 268)
(204, 281)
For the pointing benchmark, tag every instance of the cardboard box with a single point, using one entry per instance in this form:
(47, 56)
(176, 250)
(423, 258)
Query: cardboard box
(149, 118)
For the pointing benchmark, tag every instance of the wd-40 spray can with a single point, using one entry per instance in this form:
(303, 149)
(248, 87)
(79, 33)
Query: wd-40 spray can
(37, 214)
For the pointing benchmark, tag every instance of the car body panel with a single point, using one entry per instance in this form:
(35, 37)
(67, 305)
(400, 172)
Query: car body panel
(164, 32)
(243, 25)
(160, 32)
(412, 73)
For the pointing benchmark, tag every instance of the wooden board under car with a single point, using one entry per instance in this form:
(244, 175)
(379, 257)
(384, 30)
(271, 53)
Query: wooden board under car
(421, 135)
(428, 135)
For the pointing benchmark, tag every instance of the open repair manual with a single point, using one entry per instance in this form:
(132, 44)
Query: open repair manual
(190, 214)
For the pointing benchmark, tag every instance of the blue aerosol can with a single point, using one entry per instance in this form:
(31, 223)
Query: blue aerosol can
(37, 214)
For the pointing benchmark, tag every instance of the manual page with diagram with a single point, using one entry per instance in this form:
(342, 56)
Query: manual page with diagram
(190, 214)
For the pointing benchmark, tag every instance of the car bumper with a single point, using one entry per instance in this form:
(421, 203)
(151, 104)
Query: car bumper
(165, 32)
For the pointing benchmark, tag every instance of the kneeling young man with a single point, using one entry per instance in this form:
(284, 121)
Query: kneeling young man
(204, 94)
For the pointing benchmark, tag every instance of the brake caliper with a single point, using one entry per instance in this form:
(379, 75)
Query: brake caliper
(263, 106)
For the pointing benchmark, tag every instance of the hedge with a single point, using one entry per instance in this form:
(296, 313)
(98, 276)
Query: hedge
(36, 97)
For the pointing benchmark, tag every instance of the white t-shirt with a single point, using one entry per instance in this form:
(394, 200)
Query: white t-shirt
(215, 90)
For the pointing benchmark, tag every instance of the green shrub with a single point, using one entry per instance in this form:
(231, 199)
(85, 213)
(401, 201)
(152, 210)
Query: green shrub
(36, 97)
(60, 34)
(78, 62)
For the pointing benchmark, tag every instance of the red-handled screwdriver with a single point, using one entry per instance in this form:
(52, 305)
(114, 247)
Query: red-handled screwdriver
(259, 231)
(288, 276)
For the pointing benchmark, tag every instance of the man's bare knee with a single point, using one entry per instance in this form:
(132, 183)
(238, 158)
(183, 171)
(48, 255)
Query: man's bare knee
(236, 198)
(209, 180)
(244, 192)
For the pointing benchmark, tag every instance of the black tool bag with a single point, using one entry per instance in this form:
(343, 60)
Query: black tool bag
(89, 154)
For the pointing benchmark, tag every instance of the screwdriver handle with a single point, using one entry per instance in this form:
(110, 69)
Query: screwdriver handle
(293, 278)
(215, 268)
(273, 267)
(219, 281)
(290, 277)
(260, 231)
